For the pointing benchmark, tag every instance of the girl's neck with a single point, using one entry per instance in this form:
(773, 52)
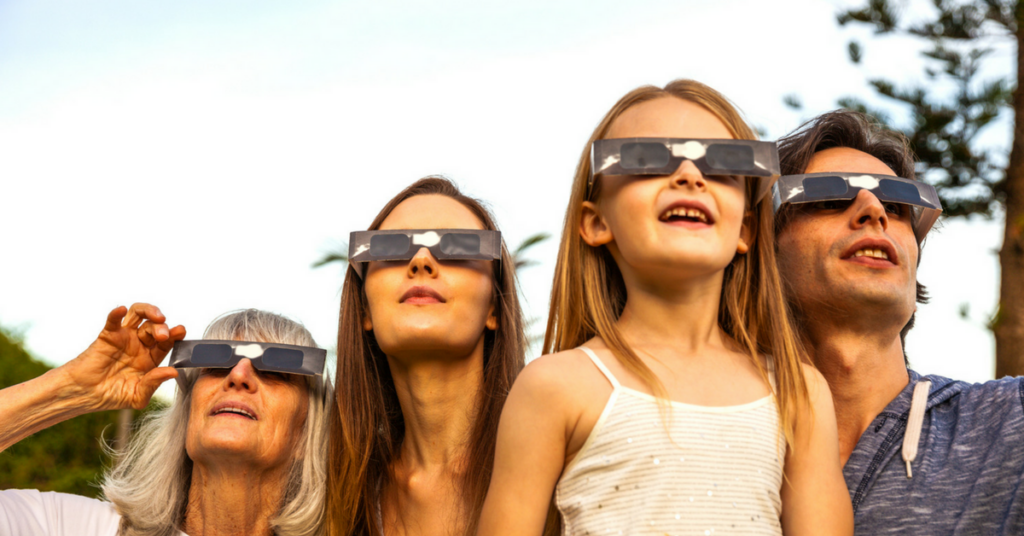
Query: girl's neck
(233, 500)
(683, 316)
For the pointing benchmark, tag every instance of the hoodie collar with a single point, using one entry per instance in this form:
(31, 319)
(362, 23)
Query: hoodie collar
(942, 389)
(884, 436)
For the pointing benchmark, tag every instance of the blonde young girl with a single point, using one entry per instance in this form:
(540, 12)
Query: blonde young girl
(677, 401)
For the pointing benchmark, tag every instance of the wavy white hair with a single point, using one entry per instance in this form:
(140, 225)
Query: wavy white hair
(150, 480)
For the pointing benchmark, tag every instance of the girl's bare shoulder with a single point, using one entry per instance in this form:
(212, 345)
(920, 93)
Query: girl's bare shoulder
(817, 387)
(564, 373)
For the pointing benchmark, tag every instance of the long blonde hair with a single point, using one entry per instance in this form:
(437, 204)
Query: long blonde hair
(588, 294)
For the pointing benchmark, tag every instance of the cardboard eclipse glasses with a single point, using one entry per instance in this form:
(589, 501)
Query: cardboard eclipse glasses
(815, 187)
(402, 245)
(272, 357)
(662, 156)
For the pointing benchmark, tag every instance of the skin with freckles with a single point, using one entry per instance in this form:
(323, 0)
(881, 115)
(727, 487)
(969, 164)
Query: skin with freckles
(852, 309)
(241, 464)
(118, 370)
(278, 401)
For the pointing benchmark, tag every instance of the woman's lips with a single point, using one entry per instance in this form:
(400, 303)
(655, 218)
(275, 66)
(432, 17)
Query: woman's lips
(234, 409)
(421, 295)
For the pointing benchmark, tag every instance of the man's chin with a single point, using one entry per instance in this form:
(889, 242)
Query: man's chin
(866, 300)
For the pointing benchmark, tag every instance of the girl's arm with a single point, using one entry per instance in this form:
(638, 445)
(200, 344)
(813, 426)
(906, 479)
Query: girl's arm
(815, 500)
(118, 370)
(532, 438)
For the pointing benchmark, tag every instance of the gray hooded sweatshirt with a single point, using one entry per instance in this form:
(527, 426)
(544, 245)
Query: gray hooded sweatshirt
(968, 474)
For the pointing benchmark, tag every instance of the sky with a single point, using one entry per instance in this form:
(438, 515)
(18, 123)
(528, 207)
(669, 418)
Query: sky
(202, 155)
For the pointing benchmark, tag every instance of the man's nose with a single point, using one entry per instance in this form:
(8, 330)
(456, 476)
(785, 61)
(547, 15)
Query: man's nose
(868, 210)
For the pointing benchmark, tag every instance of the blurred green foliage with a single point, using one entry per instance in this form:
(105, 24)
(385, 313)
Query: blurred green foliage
(67, 457)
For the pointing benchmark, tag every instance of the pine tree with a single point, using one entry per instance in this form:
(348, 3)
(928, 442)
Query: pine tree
(960, 36)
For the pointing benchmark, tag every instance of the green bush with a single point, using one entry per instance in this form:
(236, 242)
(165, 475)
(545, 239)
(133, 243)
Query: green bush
(67, 457)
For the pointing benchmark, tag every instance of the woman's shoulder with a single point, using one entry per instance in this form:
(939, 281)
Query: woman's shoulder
(24, 511)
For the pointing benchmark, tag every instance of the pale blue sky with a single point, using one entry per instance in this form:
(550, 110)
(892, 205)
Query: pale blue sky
(201, 155)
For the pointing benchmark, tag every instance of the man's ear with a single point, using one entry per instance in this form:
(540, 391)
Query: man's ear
(746, 234)
(593, 229)
(492, 320)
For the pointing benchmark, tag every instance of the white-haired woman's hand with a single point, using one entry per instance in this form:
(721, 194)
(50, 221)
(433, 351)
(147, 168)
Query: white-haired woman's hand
(120, 369)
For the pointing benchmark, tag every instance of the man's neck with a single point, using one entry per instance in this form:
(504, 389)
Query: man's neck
(865, 371)
(225, 501)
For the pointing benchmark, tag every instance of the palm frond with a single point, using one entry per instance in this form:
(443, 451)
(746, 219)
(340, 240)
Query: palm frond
(526, 244)
(332, 258)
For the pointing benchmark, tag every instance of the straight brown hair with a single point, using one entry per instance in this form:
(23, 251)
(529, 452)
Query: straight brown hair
(367, 427)
(589, 294)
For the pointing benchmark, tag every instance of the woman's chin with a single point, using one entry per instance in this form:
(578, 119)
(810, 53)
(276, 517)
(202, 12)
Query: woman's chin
(433, 337)
(430, 344)
(221, 443)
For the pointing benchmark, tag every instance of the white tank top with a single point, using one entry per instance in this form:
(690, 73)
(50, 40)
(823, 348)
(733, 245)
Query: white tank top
(719, 473)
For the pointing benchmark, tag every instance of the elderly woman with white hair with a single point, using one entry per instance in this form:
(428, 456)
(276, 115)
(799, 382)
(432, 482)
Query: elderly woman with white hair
(241, 450)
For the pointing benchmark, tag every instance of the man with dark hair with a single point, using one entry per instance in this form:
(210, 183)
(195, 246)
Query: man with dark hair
(922, 454)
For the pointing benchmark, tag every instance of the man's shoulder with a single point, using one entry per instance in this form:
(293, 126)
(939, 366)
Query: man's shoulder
(967, 467)
(1004, 396)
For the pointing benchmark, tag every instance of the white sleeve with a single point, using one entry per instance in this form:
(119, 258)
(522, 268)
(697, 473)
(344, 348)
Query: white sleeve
(27, 512)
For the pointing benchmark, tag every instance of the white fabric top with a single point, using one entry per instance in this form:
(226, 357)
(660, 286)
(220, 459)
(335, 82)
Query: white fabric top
(27, 512)
(718, 473)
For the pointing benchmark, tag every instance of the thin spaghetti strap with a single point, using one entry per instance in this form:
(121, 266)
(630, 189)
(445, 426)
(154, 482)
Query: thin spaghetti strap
(604, 370)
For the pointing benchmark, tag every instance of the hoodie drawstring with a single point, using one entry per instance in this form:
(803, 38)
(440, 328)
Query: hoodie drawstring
(918, 405)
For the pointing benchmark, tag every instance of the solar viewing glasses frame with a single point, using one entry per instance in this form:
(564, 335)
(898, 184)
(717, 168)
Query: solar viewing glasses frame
(402, 245)
(265, 356)
(662, 156)
(816, 187)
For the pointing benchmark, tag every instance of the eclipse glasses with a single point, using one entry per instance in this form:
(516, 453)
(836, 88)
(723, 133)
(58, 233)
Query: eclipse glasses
(402, 245)
(814, 187)
(662, 156)
(265, 356)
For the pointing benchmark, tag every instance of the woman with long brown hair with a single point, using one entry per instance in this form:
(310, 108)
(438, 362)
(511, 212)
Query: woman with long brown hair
(678, 401)
(428, 349)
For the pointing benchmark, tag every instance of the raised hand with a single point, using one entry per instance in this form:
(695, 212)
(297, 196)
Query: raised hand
(120, 369)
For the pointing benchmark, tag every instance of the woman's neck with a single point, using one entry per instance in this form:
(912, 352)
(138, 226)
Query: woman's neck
(233, 500)
(439, 400)
(683, 316)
